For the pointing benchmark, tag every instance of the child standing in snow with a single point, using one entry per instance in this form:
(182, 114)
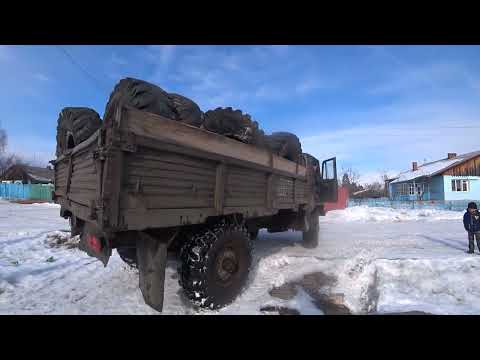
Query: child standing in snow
(471, 221)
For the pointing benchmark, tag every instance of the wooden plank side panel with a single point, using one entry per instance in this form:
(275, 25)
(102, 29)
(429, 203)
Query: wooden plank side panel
(165, 130)
(175, 217)
(164, 180)
(84, 181)
(245, 187)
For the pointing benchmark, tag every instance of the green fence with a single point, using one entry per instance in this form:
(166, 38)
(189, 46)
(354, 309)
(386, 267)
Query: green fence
(455, 205)
(26, 191)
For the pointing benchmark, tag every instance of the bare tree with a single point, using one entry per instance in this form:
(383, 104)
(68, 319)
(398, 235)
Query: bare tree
(3, 141)
(7, 160)
(353, 175)
(350, 178)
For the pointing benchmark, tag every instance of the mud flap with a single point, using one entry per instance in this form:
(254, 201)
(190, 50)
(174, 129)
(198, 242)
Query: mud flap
(95, 244)
(152, 260)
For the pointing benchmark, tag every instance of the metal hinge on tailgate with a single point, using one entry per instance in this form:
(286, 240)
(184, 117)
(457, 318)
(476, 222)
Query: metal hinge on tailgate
(100, 154)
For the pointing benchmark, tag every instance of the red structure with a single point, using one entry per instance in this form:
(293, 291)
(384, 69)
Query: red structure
(342, 200)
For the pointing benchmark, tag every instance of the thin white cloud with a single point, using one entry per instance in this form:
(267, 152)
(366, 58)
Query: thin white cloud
(164, 54)
(41, 77)
(375, 176)
(394, 144)
(308, 85)
(384, 54)
(5, 53)
(431, 76)
(118, 60)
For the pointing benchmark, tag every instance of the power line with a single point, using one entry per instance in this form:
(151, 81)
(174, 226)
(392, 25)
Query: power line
(74, 62)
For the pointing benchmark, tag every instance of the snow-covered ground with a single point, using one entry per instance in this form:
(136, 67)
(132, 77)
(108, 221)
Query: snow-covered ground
(376, 260)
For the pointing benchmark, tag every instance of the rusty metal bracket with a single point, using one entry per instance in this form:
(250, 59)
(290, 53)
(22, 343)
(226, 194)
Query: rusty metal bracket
(128, 142)
(138, 186)
(93, 212)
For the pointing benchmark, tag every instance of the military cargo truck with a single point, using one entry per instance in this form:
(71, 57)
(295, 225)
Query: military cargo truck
(149, 187)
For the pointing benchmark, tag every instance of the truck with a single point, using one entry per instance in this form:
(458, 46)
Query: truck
(153, 188)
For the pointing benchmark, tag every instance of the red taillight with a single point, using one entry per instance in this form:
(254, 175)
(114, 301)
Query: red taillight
(94, 243)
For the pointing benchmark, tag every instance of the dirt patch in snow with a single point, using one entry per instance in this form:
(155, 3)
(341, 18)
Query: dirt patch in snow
(58, 239)
(316, 285)
(280, 310)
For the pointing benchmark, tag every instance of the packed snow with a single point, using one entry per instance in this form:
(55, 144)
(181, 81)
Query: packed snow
(376, 260)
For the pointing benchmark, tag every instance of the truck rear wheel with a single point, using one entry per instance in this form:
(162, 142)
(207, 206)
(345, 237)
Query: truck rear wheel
(128, 255)
(310, 237)
(254, 234)
(215, 264)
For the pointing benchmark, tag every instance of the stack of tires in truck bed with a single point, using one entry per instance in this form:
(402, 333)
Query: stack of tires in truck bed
(76, 124)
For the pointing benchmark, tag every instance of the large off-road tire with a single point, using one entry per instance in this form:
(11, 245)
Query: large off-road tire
(312, 160)
(140, 95)
(214, 265)
(128, 255)
(285, 144)
(310, 237)
(75, 125)
(234, 124)
(186, 110)
(254, 234)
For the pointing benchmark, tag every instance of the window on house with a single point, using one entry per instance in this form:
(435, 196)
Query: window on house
(461, 185)
(412, 189)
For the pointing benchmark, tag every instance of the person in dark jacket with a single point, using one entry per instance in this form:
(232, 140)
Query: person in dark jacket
(471, 222)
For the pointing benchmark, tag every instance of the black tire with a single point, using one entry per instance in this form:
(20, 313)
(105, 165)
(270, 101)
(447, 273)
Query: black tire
(75, 125)
(128, 255)
(310, 237)
(312, 160)
(215, 264)
(285, 144)
(140, 95)
(186, 110)
(234, 124)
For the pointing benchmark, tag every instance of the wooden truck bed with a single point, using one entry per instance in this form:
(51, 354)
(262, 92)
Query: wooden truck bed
(145, 171)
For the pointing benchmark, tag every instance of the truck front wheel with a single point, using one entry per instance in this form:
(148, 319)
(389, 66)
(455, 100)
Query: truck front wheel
(215, 263)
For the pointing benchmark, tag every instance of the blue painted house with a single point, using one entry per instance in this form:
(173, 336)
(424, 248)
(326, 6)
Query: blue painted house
(456, 177)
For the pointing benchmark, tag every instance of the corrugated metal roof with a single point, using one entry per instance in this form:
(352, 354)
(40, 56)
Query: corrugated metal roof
(435, 167)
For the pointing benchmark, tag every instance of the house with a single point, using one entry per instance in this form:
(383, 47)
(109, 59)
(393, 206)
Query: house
(28, 174)
(456, 177)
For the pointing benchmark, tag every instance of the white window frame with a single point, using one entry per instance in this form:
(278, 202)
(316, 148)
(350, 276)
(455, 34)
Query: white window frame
(411, 189)
(458, 185)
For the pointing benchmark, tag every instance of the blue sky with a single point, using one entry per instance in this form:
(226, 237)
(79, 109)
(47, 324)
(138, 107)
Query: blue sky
(377, 108)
